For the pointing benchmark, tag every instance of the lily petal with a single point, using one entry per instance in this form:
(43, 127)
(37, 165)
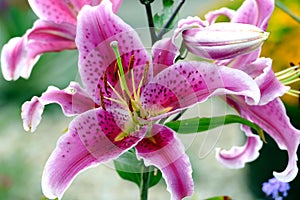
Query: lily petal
(89, 142)
(255, 12)
(14, 59)
(212, 16)
(270, 87)
(164, 54)
(55, 11)
(19, 55)
(97, 27)
(272, 118)
(73, 100)
(236, 157)
(187, 83)
(163, 150)
(64, 11)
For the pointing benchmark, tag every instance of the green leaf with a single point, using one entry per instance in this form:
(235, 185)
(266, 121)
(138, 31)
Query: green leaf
(219, 198)
(203, 124)
(131, 169)
(161, 19)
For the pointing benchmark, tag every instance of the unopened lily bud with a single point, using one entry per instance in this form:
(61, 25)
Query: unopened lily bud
(223, 40)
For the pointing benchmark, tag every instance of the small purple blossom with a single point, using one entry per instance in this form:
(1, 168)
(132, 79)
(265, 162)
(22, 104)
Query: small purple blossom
(276, 188)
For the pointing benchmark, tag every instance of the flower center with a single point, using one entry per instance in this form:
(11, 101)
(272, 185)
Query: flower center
(289, 76)
(130, 99)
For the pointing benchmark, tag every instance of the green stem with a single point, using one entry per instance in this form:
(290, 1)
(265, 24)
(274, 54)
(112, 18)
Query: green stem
(150, 20)
(287, 11)
(169, 22)
(145, 178)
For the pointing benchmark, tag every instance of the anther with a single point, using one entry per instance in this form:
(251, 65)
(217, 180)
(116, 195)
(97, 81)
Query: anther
(101, 98)
(145, 74)
(129, 103)
(105, 82)
(116, 70)
(131, 62)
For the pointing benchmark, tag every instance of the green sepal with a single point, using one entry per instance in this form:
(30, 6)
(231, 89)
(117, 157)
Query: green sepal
(194, 125)
(130, 168)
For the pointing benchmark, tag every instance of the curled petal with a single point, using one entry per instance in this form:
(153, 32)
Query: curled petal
(20, 54)
(223, 40)
(73, 100)
(97, 27)
(187, 83)
(236, 157)
(270, 87)
(188, 23)
(212, 16)
(163, 150)
(15, 61)
(272, 118)
(90, 141)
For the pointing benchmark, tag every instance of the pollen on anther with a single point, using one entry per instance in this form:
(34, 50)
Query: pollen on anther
(101, 98)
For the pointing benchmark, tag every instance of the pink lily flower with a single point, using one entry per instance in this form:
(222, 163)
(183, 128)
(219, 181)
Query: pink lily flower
(219, 41)
(251, 12)
(269, 113)
(53, 31)
(125, 93)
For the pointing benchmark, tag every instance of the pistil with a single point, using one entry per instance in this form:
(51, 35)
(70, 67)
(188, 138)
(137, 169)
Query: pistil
(114, 46)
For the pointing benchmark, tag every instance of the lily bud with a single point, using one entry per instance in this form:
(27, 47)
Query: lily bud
(223, 40)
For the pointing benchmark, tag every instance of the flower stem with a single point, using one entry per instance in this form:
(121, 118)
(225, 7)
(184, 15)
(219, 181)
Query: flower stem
(150, 20)
(169, 22)
(287, 11)
(145, 178)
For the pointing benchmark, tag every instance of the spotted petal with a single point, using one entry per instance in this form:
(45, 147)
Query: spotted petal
(64, 11)
(97, 27)
(272, 118)
(163, 150)
(55, 11)
(236, 157)
(89, 142)
(73, 100)
(187, 83)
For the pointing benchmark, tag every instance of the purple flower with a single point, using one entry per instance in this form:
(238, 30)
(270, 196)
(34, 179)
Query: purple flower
(53, 31)
(276, 188)
(122, 100)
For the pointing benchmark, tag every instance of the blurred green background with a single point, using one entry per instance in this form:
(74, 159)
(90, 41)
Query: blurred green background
(23, 155)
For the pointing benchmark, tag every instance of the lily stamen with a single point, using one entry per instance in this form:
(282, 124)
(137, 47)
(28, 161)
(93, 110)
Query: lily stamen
(289, 76)
(101, 98)
(294, 93)
(116, 70)
(131, 62)
(105, 82)
(116, 92)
